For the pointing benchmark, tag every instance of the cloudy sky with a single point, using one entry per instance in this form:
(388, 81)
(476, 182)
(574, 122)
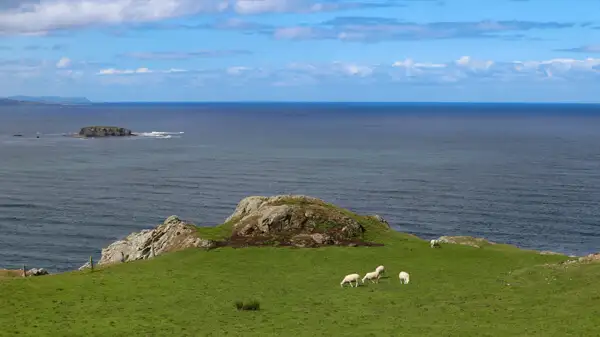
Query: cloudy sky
(302, 50)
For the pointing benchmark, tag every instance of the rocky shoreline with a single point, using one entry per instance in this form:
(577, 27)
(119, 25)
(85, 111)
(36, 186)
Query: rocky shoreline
(281, 221)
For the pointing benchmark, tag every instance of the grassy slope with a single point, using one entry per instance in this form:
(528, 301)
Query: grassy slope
(454, 291)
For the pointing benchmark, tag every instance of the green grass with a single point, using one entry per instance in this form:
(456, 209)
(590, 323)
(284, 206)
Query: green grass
(454, 291)
(496, 290)
(217, 233)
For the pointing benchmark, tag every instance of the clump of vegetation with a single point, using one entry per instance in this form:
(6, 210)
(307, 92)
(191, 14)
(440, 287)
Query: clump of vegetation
(247, 306)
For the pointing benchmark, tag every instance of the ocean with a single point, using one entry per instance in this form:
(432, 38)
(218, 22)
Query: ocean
(524, 174)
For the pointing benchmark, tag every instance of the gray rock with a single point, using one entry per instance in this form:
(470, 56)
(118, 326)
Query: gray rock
(322, 239)
(590, 258)
(104, 131)
(174, 234)
(37, 272)
(299, 220)
(547, 252)
(85, 266)
(466, 240)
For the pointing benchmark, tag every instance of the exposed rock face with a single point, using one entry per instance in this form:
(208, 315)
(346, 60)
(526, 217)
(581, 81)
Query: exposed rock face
(547, 252)
(589, 258)
(285, 220)
(295, 220)
(104, 131)
(37, 272)
(87, 265)
(172, 235)
(466, 240)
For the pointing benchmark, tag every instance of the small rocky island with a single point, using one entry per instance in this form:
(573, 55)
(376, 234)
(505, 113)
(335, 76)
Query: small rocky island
(104, 131)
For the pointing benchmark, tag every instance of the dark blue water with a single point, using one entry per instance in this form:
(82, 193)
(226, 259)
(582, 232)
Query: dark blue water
(522, 174)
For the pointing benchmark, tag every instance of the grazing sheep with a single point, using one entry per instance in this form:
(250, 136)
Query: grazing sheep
(374, 275)
(435, 243)
(349, 279)
(404, 277)
(380, 269)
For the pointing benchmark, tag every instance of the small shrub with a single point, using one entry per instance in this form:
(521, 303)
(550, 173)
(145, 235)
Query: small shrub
(247, 306)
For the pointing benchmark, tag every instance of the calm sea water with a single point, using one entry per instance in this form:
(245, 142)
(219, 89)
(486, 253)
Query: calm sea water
(522, 174)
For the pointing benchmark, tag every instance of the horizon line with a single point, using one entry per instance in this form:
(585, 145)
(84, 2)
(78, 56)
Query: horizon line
(346, 102)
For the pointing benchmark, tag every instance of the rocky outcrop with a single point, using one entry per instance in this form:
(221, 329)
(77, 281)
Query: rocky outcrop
(591, 258)
(286, 220)
(104, 131)
(174, 234)
(87, 265)
(295, 220)
(466, 240)
(37, 272)
(547, 252)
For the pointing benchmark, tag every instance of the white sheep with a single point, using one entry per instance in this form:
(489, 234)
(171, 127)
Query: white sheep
(380, 269)
(435, 243)
(349, 279)
(404, 277)
(374, 275)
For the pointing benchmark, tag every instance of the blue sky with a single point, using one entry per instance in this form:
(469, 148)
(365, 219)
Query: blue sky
(302, 50)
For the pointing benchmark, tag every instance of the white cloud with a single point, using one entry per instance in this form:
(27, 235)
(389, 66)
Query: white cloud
(464, 70)
(282, 6)
(564, 64)
(42, 16)
(262, 6)
(64, 62)
(70, 74)
(409, 63)
(354, 69)
(47, 15)
(468, 62)
(113, 71)
(404, 71)
(237, 70)
(294, 33)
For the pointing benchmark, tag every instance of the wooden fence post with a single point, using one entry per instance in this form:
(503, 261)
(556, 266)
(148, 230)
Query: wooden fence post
(24, 271)
(91, 263)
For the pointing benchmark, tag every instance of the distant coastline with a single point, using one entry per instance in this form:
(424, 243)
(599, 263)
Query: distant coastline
(43, 100)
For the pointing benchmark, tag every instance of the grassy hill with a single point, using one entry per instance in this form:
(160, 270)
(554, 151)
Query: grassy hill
(495, 290)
